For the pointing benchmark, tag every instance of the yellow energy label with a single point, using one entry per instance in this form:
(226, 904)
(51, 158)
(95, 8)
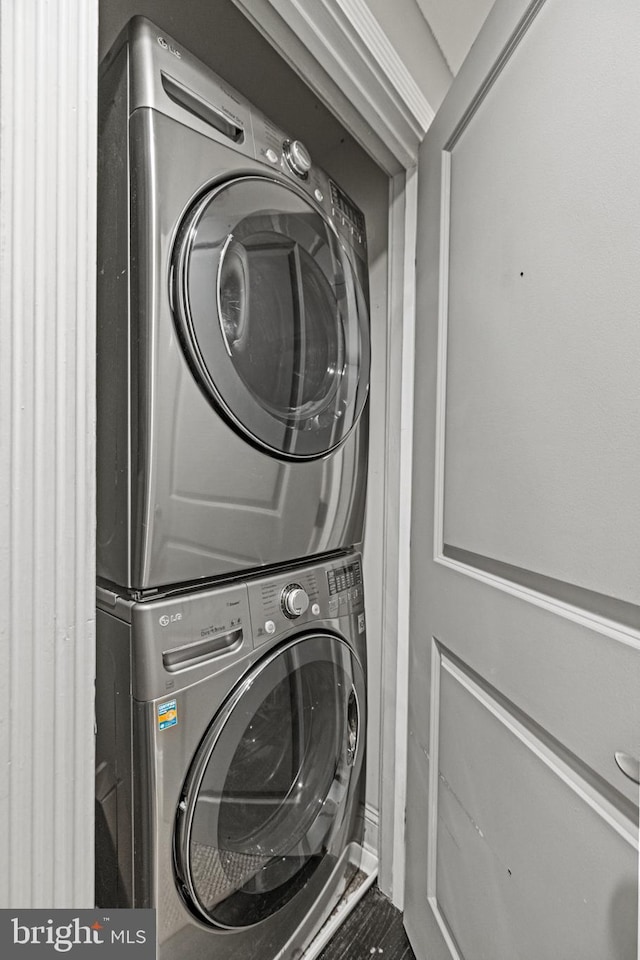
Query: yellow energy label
(167, 714)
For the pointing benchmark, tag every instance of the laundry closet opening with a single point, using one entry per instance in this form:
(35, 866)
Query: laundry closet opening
(220, 36)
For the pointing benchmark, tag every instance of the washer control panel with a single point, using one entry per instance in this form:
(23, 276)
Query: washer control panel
(325, 591)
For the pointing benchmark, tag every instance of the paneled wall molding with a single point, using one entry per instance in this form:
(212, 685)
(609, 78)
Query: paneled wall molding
(523, 731)
(612, 629)
(48, 70)
(593, 620)
(341, 50)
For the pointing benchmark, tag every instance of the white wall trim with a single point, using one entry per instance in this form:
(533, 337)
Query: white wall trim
(441, 361)
(375, 47)
(48, 76)
(363, 80)
(396, 521)
(432, 799)
(403, 519)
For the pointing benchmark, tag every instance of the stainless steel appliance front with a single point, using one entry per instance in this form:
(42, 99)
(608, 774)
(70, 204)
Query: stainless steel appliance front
(230, 741)
(233, 337)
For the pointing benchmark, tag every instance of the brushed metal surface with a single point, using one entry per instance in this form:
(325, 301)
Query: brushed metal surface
(181, 497)
(151, 766)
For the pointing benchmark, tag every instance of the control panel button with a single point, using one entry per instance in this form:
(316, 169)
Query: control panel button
(271, 155)
(297, 157)
(270, 626)
(319, 195)
(315, 609)
(294, 600)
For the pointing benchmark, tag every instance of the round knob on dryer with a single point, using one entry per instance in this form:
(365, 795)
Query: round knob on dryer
(294, 600)
(297, 157)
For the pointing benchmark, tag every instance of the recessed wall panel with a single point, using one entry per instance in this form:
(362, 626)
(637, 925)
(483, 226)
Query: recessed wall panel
(516, 838)
(544, 296)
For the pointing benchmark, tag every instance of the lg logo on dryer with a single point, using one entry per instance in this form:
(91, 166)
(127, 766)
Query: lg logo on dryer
(166, 619)
(167, 46)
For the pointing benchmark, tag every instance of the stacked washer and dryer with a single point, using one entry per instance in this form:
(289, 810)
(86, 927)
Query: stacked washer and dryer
(233, 367)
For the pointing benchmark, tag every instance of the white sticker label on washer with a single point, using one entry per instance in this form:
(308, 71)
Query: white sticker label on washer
(361, 623)
(167, 714)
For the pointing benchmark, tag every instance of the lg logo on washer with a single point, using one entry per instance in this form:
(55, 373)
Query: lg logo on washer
(167, 46)
(166, 619)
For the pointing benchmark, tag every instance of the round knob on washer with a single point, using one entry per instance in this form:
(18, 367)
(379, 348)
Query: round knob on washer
(295, 600)
(297, 156)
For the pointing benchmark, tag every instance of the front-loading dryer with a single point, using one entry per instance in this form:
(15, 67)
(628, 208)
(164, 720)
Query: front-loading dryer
(230, 744)
(233, 332)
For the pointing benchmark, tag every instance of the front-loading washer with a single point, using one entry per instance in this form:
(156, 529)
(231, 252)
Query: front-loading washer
(233, 332)
(230, 744)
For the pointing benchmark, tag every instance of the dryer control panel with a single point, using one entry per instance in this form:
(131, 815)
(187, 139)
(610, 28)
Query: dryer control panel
(165, 76)
(291, 158)
(324, 591)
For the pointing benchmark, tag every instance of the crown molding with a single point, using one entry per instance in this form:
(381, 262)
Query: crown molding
(340, 49)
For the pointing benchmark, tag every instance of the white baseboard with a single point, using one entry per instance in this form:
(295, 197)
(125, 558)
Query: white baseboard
(367, 863)
(371, 831)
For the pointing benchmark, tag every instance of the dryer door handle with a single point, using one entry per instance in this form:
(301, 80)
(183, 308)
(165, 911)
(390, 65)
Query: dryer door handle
(237, 267)
(353, 725)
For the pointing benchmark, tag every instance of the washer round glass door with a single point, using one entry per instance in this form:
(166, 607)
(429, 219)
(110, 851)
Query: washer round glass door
(272, 784)
(272, 317)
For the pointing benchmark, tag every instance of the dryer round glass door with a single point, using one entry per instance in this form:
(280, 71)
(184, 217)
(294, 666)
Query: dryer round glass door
(272, 317)
(273, 786)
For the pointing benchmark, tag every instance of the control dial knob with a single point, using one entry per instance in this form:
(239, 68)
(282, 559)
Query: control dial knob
(294, 600)
(297, 157)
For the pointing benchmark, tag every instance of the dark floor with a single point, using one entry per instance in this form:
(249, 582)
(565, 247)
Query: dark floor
(373, 931)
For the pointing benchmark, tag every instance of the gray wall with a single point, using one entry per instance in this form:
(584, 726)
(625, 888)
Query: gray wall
(220, 35)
